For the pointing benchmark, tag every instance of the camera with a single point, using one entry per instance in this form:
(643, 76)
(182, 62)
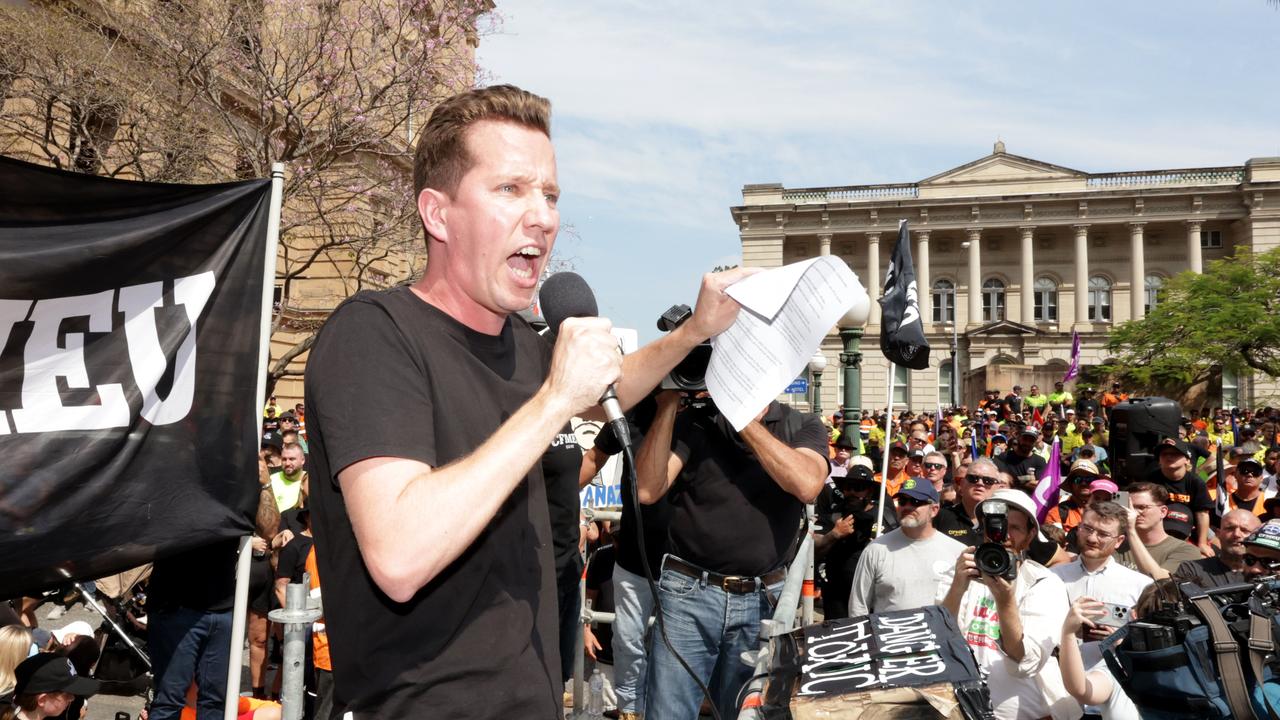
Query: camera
(690, 373)
(992, 557)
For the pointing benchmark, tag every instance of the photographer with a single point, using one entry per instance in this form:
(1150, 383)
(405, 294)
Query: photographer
(1011, 619)
(841, 547)
(737, 510)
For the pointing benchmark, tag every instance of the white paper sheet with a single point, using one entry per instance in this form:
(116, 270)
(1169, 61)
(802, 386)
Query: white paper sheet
(786, 313)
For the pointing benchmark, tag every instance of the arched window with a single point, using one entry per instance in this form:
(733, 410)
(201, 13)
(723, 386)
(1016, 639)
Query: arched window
(944, 301)
(1153, 286)
(1099, 299)
(992, 300)
(1046, 297)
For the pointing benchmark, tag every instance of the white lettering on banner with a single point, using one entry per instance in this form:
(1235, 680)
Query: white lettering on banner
(856, 656)
(46, 359)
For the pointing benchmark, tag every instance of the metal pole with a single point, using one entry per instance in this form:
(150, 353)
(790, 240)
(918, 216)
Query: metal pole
(807, 591)
(850, 363)
(239, 611)
(784, 617)
(888, 443)
(296, 618)
(817, 393)
(579, 661)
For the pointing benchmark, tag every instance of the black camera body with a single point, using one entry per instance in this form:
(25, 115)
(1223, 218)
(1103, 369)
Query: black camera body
(992, 557)
(690, 374)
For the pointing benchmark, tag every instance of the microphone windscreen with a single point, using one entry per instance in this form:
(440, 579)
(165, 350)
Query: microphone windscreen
(565, 295)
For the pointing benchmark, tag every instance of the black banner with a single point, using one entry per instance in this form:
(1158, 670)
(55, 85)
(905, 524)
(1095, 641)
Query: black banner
(130, 321)
(903, 648)
(901, 327)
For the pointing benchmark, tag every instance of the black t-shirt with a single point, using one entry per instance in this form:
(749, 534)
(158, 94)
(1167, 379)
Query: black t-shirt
(1207, 573)
(292, 562)
(290, 521)
(656, 518)
(391, 375)
(202, 578)
(1012, 405)
(1190, 490)
(1017, 466)
(729, 516)
(955, 524)
(561, 464)
(600, 580)
(842, 557)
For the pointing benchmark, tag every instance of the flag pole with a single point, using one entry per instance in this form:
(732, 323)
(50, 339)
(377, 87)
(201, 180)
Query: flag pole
(884, 463)
(240, 609)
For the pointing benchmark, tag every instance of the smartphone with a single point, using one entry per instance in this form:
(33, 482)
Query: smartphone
(1122, 497)
(1116, 616)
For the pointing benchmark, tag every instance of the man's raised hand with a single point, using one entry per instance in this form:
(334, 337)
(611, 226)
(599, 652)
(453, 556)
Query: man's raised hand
(586, 361)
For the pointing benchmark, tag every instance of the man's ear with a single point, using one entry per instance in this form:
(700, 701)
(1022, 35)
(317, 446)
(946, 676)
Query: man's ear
(433, 206)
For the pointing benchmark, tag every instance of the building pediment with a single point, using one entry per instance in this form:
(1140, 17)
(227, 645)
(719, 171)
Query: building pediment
(1002, 173)
(1003, 328)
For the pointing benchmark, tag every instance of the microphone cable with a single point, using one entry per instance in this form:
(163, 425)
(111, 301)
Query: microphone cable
(630, 463)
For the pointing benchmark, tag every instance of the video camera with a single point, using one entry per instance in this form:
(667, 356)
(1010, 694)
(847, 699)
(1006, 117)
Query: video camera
(690, 374)
(992, 557)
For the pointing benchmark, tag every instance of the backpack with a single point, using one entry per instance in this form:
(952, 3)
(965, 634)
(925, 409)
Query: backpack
(1201, 667)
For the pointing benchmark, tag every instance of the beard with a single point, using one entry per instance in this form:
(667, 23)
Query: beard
(911, 522)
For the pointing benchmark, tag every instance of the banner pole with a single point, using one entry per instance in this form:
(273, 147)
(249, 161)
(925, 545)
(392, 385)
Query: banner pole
(888, 443)
(241, 607)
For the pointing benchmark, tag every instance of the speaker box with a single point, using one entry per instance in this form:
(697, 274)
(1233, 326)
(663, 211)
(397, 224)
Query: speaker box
(1137, 426)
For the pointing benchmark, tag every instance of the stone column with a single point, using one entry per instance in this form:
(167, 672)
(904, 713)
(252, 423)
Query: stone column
(1082, 276)
(824, 244)
(975, 277)
(1194, 259)
(1028, 277)
(924, 285)
(1138, 272)
(873, 275)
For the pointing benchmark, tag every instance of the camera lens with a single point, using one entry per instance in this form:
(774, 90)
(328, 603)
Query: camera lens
(993, 559)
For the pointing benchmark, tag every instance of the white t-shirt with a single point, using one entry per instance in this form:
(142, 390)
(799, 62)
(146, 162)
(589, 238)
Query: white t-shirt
(1042, 607)
(898, 573)
(1118, 706)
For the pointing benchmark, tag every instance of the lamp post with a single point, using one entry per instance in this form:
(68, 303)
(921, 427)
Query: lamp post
(851, 329)
(817, 364)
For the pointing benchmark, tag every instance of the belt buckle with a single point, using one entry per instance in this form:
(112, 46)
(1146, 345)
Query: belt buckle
(738, 584)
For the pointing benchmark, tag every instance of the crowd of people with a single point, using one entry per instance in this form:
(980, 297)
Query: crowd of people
(445, 513)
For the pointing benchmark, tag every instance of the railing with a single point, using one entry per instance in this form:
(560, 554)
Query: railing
(1200, 176)
(852, 193)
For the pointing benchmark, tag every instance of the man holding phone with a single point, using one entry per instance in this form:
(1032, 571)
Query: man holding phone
(1095, 574)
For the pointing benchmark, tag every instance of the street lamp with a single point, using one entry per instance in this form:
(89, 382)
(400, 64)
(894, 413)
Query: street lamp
(851, 329)
(817, 364)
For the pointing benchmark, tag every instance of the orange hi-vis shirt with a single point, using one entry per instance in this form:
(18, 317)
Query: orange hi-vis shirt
(319, 639)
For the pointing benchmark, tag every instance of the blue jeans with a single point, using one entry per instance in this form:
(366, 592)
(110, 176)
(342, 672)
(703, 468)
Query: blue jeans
(710, 628)
(632, 607)
(189, 645)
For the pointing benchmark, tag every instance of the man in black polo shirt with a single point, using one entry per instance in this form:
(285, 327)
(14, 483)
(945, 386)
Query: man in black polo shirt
(1228, 566)
(958, 521)
(737, 512)
(1174, 473)
(1020, 460)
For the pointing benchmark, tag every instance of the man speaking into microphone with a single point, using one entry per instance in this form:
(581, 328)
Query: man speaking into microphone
(429, 407)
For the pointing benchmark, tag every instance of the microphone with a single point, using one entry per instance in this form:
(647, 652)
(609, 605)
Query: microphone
(565, 295)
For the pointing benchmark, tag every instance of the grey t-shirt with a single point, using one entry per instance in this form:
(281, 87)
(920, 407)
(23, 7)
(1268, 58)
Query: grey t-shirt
(898, 573)
(1168, 554)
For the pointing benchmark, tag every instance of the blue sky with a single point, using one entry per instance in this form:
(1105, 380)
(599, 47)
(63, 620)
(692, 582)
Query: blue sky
(662, 111)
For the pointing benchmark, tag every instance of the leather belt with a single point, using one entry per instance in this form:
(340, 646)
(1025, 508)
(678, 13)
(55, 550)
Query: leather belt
(735, 584)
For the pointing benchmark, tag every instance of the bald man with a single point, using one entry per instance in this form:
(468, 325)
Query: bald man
(1228, 566)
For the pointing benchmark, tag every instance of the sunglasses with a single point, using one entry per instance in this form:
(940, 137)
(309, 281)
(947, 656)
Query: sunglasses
(983, 480)
(935, 466)
(904, 501)
(1251, 559)
(1254, 473)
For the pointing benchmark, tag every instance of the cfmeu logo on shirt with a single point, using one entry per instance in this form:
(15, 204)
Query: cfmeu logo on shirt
(55, 352)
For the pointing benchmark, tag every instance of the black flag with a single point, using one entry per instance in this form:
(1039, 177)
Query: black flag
(130, 336)
(901, 327)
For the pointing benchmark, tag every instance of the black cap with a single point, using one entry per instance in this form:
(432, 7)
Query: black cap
(845, 441)
(1171, 444)
(50, 672)
(272, 439)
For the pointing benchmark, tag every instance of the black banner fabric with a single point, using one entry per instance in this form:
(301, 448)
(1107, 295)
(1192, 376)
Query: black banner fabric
(901, 327)
(130, 319)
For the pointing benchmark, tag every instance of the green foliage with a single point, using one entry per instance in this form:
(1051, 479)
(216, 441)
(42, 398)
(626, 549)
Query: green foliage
(1228, 318)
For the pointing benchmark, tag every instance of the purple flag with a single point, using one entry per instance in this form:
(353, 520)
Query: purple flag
(1046, 494)
(1074, 370)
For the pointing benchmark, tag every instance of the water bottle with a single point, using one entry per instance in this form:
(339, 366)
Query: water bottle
(595, 698)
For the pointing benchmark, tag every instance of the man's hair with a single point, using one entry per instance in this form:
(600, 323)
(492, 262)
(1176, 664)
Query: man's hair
(292, 446)
(940, 456)
(1110, 510)
(1159, 494)
(985, 462)
(441, 157)
(1157, 595)
(1054, 534)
